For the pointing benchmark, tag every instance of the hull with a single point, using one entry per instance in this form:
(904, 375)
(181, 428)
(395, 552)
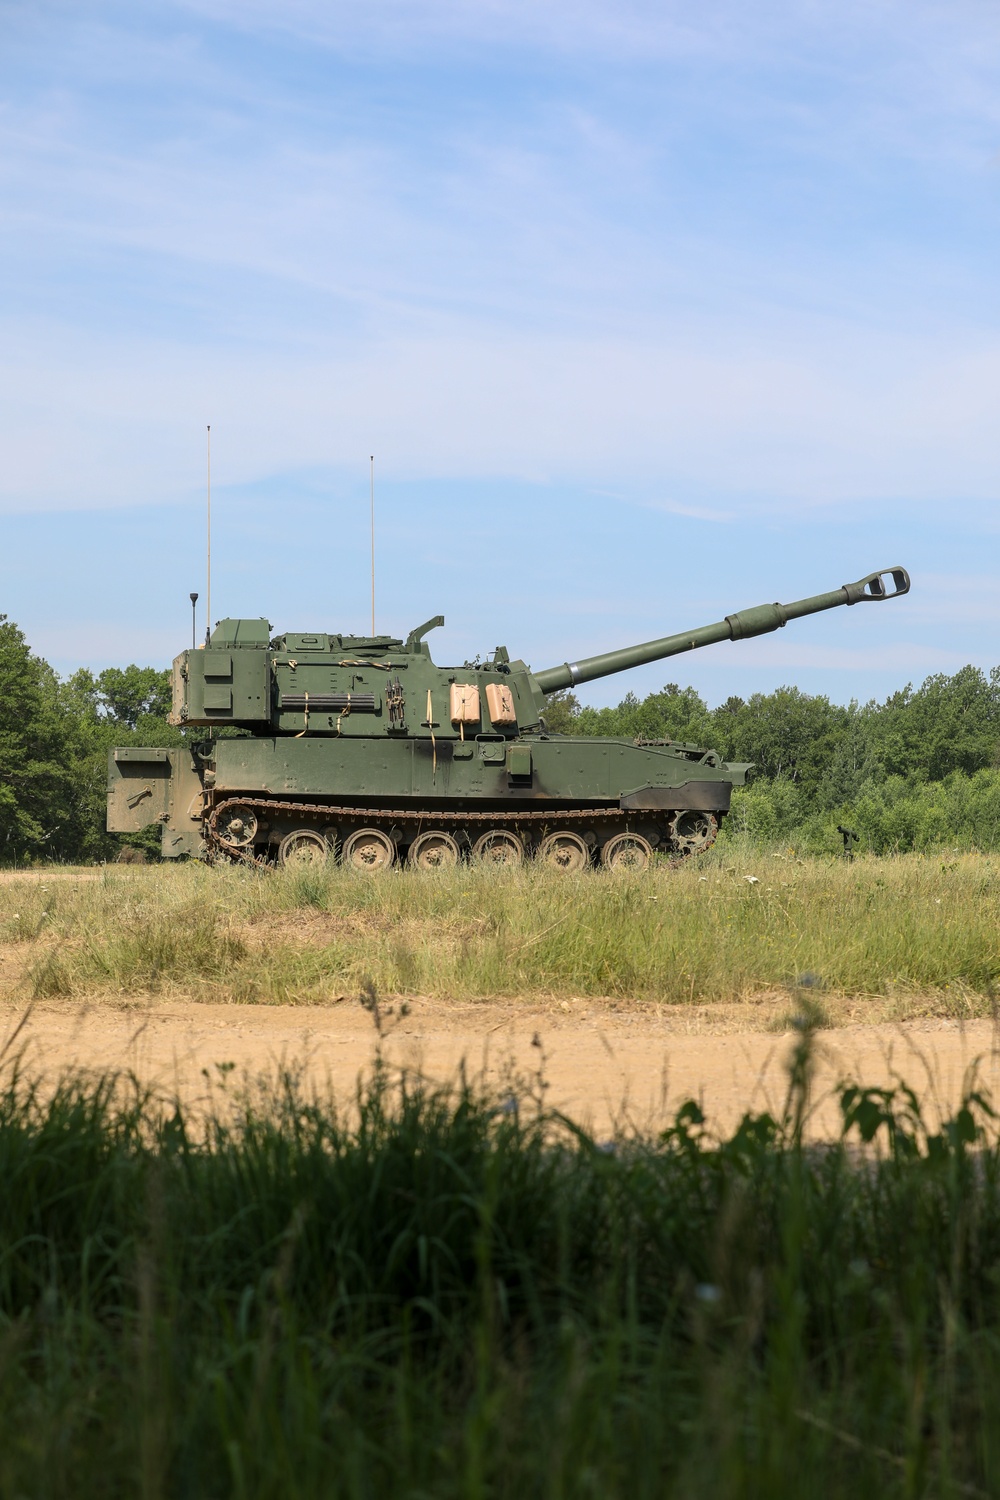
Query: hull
(599, 788)
(558, 771)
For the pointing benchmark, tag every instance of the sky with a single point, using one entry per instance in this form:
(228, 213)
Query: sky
(648, 312)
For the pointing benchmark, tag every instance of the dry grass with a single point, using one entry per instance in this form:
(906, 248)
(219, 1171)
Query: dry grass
(896, 937)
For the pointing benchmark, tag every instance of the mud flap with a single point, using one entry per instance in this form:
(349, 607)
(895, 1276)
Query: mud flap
(138, 788)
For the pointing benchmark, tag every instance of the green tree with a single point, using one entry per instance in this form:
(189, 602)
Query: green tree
(562, 710)
(127, 695)
(787, 734)
(36, 789)
(854, 762)
(947, 724)
(674, 713)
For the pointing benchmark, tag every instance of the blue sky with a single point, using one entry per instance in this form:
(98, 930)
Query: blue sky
(648, 312)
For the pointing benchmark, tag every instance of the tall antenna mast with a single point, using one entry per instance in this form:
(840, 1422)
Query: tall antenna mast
(372, 494)
(208, 591)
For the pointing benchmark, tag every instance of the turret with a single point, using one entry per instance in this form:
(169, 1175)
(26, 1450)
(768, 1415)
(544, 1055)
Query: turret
(364, 687)
(749, 622)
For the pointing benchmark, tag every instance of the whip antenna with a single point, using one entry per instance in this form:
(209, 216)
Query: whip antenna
(208, 590)
(372, 496)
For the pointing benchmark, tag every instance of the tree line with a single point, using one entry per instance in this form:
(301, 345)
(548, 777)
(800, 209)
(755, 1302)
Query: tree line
(920, 770)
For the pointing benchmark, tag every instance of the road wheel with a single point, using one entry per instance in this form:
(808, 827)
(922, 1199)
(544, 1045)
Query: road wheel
(693, 832)
(564, 851)
(498, 847)
(627, 851)
(433, 850)
(236, 826)
(303, 847)
(368, 849)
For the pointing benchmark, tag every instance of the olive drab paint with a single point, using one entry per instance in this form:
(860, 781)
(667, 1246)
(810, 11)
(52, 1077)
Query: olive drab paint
(362, 746)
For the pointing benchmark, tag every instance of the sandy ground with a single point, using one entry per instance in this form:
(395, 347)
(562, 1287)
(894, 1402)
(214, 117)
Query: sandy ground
(600, 1067)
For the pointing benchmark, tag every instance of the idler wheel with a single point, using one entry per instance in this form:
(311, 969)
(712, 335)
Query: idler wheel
(433, 850)
(564, 851)
(303, 847)
(235, 826)
(627, 851)
(368, 849)
(693, 832)
(498, 847)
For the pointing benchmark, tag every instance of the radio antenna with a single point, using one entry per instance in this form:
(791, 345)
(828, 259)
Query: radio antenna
(208, 590)
(372, 497)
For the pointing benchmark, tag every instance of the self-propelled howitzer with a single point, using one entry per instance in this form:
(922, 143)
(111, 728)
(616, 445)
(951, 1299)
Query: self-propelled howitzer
(361, 747)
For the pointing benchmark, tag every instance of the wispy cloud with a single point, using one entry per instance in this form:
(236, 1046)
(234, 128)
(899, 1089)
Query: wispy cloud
(121, 418)
(721, 262)
(605, 257)
(628, 29)
(783, 30)
(677, 508)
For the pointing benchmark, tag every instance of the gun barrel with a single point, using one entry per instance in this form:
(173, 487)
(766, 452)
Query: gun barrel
(890, 583)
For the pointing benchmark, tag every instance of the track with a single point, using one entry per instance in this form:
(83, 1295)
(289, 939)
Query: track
(425, 818)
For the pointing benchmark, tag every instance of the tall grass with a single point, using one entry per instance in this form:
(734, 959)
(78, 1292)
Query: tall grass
(445, 1294)
(724, 928)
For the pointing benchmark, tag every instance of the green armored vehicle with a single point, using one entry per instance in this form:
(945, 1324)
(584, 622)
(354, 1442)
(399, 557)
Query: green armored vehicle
(360, 745)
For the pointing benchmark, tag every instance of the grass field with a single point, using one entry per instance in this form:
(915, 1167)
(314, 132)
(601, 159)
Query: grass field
(906, 935)
(443, 1292)
(455, 1296)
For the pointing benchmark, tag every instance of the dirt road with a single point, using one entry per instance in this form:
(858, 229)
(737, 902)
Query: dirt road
(599, 1066)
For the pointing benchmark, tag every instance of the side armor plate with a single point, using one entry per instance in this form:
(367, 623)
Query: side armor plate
(699, 796)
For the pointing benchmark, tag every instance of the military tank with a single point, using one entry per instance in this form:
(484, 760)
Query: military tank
(361, 748)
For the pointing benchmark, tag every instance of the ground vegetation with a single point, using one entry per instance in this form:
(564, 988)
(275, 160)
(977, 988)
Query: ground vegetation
(450, 1293)
(906, 935)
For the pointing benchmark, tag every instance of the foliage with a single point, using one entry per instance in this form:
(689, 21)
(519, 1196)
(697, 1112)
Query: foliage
(672, 714)
(948, 724)
(444, 1293)
(561, 710)
(37, 746)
